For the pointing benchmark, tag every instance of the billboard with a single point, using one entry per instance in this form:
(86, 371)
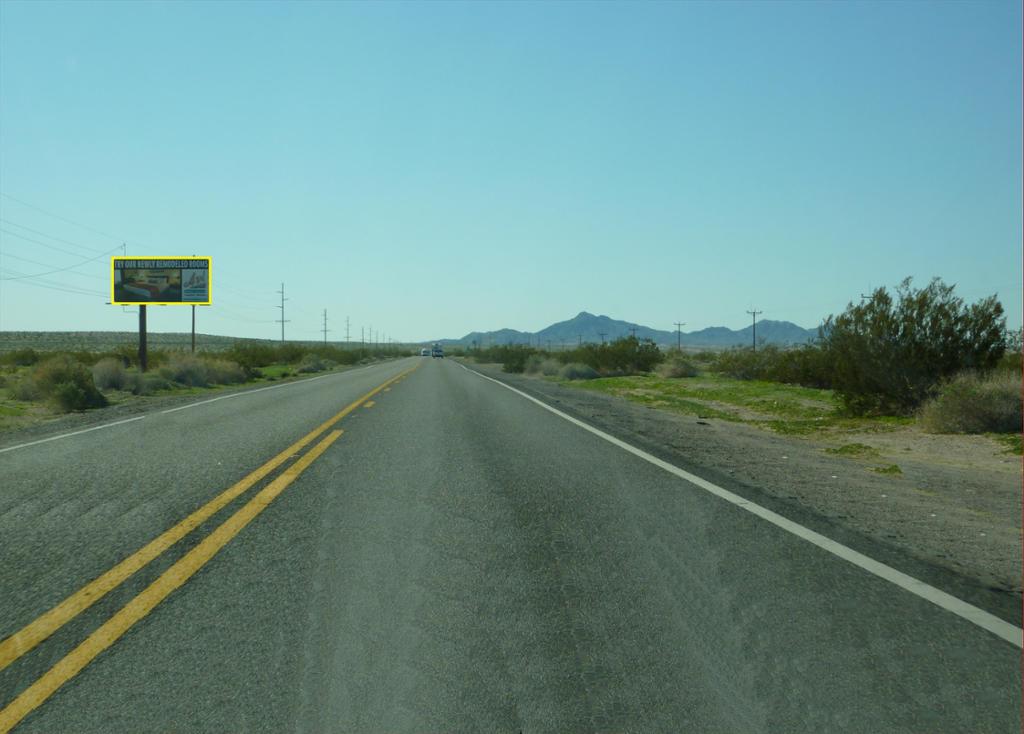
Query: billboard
(161, 281)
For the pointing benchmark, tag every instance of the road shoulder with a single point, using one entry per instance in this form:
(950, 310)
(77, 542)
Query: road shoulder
(967, 542)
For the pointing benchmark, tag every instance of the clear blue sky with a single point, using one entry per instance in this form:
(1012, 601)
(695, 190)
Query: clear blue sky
(431, 169)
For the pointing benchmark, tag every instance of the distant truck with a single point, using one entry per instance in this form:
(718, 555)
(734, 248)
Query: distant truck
(424, 352)
(437, 352)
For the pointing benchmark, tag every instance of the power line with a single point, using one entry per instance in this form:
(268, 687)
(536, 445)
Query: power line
(54, 247)
(65, 219)
(221, 312)
(51, 272)
(49, 236)
(54, 286)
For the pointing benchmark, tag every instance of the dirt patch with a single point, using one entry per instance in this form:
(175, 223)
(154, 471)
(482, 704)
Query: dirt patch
(950, 502)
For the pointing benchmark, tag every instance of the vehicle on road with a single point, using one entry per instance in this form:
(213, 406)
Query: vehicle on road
(437, 352)
(424, 352)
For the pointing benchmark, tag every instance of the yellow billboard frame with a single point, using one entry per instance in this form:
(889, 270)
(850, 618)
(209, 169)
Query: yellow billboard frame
(209, 280)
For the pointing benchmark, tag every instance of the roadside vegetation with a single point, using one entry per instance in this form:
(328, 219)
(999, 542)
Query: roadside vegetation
(36, 384)
(913, 356)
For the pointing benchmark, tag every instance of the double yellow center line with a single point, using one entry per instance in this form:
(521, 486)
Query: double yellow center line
(41, 628)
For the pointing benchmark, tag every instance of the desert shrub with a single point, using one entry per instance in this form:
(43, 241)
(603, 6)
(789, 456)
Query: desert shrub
(539, 364)
(109, 374)
(513, 358)
(186, 369)
(677, 367)
(532, 364)
(808, 365)
(888, 355)
(578, 371)
(66, 384)
(223, 372)
(21, 357)
(975, 403)
(23, 388)
(550, 367)
(312, 363)
(1011, 359)
(621, 357)
(145, 384)
(251, 356)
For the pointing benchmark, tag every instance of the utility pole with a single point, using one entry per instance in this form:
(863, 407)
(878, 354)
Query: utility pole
(602, 334)
(325, 329)
(679, 334)
(346, 329)
(632, 330)
(193, 323)
(282, 320)
(754, 336)
(362, 337)
(581, 339)
(143, 353)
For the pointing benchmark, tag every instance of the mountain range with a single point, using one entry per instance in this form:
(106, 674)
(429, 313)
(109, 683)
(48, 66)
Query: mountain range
(587, 327)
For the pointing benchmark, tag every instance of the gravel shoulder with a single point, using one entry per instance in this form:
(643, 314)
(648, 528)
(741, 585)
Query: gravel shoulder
(952, 517)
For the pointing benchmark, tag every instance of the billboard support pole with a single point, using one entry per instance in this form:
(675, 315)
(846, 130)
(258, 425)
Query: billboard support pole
(193, 328)
(142, 338)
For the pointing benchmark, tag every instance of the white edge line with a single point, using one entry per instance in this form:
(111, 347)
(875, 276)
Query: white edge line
(989, 622)
(73, 433)
(182, 407)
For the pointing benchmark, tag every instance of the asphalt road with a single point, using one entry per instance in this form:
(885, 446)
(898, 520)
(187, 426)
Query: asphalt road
(458, 559)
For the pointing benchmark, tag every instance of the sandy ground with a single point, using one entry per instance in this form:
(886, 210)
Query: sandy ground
(955, 507)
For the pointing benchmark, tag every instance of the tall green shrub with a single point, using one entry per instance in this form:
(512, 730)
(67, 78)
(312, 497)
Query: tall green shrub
(67, 384)
(889, 353)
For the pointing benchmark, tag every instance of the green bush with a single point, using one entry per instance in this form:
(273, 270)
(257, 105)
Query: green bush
(185, 370)
(514, 358)
(312, 363)
(975, 403)
(532, 364)
(578, 371)
(145, 384)
(23, 388)
(223, 372)
(21, 357)
(676, 367)
(109, 374)
(66, 384)
(807, 365)
(889, 355)
(550, 367)
(1011, 359)
(621, 357)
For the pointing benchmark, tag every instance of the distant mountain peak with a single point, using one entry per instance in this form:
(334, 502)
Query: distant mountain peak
(586, 327)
